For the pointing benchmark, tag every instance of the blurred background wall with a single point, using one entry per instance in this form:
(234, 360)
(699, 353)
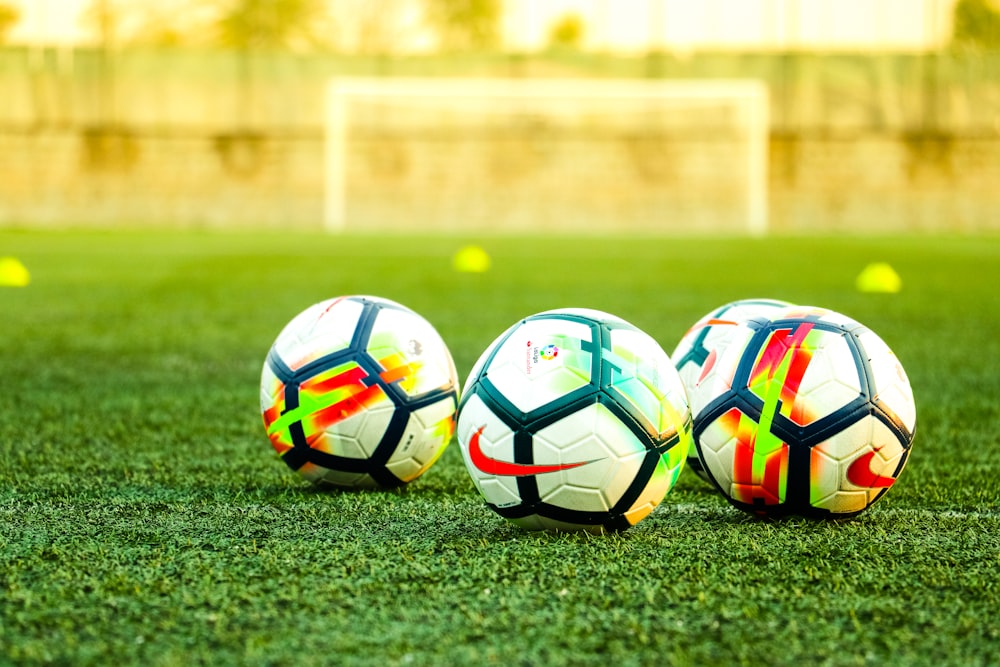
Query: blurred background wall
(884, 114)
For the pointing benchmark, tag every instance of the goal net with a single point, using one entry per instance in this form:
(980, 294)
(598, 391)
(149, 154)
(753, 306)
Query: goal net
(603, 156)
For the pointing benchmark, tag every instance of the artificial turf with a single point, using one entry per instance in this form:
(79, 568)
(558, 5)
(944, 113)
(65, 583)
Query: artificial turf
(145, 519)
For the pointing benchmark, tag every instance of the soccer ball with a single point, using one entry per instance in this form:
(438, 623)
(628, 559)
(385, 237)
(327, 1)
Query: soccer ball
(359, 392)
(574, 419)
(699, 348)
(811, 414)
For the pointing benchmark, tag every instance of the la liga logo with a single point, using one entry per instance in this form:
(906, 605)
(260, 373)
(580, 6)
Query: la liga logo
(534, 354)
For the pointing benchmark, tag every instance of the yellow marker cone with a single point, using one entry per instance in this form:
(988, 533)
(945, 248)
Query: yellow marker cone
(471, 259)
(13, 273)
(879, 277)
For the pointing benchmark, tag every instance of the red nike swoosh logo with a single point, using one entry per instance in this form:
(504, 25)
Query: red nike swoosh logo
(859, 473)
(492, 466)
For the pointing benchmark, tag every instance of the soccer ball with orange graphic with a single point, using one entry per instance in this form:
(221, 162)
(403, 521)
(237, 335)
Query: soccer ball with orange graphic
(809, 413)
(359, 392)
(699, 349)
(574, 419)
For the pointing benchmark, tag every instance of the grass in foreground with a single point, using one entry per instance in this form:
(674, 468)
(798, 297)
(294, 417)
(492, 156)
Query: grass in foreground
(144, 518)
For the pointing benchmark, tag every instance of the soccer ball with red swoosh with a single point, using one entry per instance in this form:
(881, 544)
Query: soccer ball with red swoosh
(574, 419)
(810, 413)
(359, 392)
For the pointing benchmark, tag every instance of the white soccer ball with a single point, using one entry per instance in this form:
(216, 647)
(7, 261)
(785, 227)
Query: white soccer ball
(574, 419)
(698, 351)
(359, 391)
(810, 413)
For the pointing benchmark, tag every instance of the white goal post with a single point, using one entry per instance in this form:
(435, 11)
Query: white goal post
(660, 156)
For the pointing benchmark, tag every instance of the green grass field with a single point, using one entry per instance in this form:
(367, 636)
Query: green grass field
(145, 519)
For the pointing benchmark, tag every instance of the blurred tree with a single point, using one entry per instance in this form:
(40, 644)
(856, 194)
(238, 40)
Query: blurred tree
(976, 25)
(465, 24)
(245, 25)
(566, 32)
(118, 22)
(372, 27)
(9, 16)
(105, 19)
(273, 24)
(171, 24)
